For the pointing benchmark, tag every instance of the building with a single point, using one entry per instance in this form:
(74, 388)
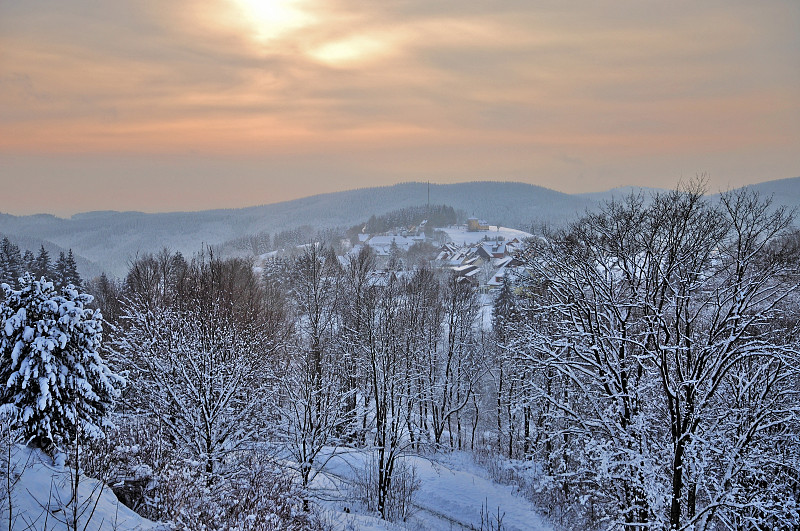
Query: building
(474, 224)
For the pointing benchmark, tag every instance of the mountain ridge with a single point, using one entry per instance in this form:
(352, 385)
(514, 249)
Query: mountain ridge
(109, 239)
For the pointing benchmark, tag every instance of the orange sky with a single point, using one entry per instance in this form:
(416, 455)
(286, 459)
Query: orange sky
(137, 106)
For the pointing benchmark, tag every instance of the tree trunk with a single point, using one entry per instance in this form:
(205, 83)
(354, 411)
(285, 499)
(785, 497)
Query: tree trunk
(677, 487)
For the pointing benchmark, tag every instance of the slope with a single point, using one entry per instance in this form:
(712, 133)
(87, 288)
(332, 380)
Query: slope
(111, 239)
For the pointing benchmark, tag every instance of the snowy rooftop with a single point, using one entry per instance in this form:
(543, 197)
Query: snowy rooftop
(461, 236)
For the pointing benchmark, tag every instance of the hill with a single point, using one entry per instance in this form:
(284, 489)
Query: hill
(108, 240)
(41, 497)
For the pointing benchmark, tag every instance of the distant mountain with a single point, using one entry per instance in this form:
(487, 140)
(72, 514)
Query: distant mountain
(108, 240)
(111, 239)
(618, 193)
(784, 192)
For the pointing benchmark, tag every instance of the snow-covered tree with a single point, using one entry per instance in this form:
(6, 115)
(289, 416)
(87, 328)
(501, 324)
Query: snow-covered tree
(200, 353)
(450, 369)
(668, 330)
(313, 391)
(53, 379)
(509, 376)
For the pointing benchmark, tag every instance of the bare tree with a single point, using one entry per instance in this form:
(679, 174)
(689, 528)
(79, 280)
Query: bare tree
(314, 394)
(200, 356)
(658, 321)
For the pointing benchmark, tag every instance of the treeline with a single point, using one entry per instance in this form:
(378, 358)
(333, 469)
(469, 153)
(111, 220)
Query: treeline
(437, 216)
(289, 239)
(285, 240)
(14, 263)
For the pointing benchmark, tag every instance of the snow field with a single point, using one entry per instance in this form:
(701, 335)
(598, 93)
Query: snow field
(41, 498)
(453, 494)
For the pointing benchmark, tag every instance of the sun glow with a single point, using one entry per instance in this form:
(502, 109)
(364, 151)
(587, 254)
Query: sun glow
(271, 19)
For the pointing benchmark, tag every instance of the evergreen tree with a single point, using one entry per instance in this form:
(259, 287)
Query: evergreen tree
(506, 312)
(43, 267)
(71, 271)
(28, 261)
(54, 380)
(10, 262)
(395, 257)
(66, 270)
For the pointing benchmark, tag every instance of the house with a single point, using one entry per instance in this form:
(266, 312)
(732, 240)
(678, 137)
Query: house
(383, 244)
(504, 267)
(489, 250)
(474, 224)
(467, 274)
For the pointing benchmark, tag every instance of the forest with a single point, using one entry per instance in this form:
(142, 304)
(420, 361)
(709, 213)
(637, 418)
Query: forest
(639, 369)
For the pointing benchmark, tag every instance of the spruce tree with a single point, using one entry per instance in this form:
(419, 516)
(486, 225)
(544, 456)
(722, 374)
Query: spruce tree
(10, 262)
(53, 380)
(43, 267)
(71, 271)
(28, 261)
(60, 270)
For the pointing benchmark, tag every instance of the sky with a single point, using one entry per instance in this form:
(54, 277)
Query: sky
(185, 105)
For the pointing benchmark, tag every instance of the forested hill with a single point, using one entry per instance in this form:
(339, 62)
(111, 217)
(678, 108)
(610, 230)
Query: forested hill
(110, 239)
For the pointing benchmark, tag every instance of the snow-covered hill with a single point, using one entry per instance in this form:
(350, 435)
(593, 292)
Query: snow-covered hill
(108, 239)
(42, 497)
(111, 239)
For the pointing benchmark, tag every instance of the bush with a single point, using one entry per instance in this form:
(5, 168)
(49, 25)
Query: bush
(402, 491)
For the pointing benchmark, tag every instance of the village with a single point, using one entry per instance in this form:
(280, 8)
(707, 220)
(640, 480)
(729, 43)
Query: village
(478, 254)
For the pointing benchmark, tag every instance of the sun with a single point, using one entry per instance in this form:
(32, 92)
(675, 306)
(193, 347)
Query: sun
(272, 19)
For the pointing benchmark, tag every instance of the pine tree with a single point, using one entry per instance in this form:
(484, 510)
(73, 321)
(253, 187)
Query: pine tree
(53, 378)
(71, 271)
(10, 262)
(60, 273)
(28, 261)
(43, 267)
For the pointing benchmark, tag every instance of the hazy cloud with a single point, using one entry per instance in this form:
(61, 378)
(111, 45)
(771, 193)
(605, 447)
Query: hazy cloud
(351, 93)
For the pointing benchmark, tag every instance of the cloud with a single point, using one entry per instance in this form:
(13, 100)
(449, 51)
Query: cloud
(389, 87)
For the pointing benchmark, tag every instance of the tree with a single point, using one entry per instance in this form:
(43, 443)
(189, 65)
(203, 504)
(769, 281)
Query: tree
(314, 394)
(385, 348)
(55, 381)
(42, 266)
(107, 293)
(656, 320)
(72, 275)
(66, 270)
(509, 376)
(199, 350)
(28, 261)
(358, 276)
(450, 367)
(11, 264)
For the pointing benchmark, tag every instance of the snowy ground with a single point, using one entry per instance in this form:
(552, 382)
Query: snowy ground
(42, 498)
(460, 235)
(454, 494)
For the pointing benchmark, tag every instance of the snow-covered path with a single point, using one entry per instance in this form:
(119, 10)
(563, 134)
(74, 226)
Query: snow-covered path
(464, 496)
(447, 499)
